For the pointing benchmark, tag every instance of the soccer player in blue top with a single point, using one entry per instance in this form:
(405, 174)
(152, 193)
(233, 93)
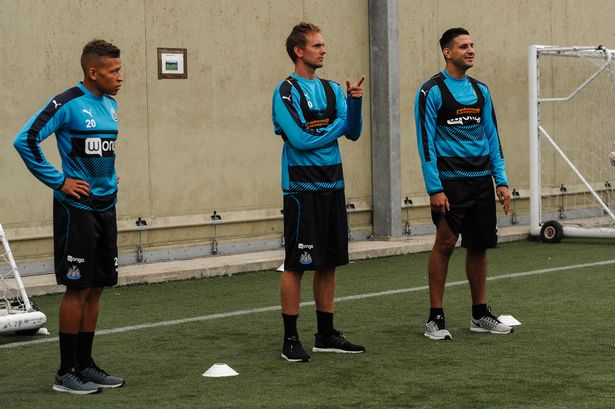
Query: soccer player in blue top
(310, 114)
(461, 157)
(84, 120)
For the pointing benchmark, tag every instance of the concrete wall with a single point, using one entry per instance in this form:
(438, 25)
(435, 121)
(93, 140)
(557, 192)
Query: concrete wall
(502, 31)
(186, 147)
(189, 147)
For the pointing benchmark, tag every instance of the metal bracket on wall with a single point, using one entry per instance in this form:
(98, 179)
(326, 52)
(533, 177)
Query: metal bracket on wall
(350, 207)
(141, 226)
(407, 205)
(514, 195)
(564, 203)
(216, 219)
(608, 190)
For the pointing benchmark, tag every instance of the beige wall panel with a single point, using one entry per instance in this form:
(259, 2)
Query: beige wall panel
(211, 139)
(418, 59)
(578, 22)
(41, 45)
(212, 144)
(186, 147)
(577, 26)
(344, 24)
(132, 164)
(502, 31)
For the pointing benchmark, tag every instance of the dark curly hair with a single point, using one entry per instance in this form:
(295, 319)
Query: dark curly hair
(98, 48)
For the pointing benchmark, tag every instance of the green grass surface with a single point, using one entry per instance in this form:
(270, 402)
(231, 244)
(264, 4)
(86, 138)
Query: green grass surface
(561, 357)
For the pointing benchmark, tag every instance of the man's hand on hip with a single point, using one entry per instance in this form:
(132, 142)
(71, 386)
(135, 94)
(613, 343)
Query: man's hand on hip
(75, 188)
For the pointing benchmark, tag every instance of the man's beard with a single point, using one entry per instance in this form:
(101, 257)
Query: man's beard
(315, 65)
(463, 65)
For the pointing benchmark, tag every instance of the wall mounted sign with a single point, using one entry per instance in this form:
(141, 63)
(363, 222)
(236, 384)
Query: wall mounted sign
(172, 63)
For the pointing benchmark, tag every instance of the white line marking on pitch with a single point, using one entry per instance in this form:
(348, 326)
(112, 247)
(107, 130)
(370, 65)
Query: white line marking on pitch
(277, 307)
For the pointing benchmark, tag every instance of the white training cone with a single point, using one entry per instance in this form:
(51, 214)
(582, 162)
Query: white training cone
(281, 268)
(219, 371)
(509, 320)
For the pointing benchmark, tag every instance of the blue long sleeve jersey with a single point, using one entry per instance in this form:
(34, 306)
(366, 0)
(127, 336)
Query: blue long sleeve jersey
(310, 124)
(457, 132)
(86, 129)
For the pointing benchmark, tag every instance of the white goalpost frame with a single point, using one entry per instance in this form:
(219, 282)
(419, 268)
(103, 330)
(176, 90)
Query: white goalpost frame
(17, 319)
(536, 131)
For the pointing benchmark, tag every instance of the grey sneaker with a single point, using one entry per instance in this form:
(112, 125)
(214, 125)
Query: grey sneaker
(436, 332)
(71, 383)
(99, 377)
(489, 323)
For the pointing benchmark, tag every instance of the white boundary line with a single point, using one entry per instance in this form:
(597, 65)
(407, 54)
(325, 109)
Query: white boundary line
(277, 307)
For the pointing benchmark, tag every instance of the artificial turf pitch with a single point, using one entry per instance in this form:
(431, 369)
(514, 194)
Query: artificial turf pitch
(560, 357)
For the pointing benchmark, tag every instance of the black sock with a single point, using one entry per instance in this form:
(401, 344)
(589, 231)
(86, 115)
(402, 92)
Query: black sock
(68, 352)
(290, 325)
(325, 322)
(437, 314)
(84, 349)
(479, 311)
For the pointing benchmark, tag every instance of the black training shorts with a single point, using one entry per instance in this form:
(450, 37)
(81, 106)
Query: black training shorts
(85, 246)
(315, 230)
(472, 213)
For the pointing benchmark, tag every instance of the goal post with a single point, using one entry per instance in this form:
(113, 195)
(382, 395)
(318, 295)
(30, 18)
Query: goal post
(17, 312)
(571, 140)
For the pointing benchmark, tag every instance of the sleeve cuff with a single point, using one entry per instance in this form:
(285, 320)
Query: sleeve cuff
(61, 184)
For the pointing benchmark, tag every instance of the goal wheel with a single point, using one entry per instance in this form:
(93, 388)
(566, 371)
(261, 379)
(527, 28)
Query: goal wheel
(551, 232)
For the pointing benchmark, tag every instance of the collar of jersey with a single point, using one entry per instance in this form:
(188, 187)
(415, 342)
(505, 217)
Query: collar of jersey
(300, 78)
(448, 77)
(88, 92)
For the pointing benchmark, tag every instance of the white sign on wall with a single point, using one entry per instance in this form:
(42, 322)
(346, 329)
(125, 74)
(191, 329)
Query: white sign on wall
(172, 63)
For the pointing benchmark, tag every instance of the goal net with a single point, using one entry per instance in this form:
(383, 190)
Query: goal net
(17, 313)
(572, 137)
